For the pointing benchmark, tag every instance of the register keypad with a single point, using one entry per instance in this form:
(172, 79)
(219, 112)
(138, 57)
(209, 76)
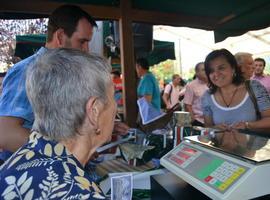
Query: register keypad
(216, 172)
(220, 174)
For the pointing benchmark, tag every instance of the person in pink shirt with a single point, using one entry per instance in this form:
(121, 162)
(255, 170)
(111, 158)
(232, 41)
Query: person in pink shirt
(194, 91)
(172, 92)
(259, 75)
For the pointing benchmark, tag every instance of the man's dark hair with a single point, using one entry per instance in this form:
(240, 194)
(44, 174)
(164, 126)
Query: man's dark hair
(260, 60)
(237, 77)
(2, 74)
(67, 18)
(143, 62)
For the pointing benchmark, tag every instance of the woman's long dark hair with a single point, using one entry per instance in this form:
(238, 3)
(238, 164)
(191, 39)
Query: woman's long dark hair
(237, 77)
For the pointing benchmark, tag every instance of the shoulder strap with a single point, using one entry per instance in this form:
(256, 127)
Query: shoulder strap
(253, 98)
(170, 92)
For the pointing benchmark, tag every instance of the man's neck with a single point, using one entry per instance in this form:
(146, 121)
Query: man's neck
(174, 84)
(51, 45)
(143, 73)
(202, 80)
(259, 75)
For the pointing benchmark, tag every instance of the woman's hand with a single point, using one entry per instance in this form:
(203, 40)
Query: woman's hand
(120, 128)
(239, 125)
(224, 127)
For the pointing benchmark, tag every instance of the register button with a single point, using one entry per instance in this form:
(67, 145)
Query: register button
(208, 178)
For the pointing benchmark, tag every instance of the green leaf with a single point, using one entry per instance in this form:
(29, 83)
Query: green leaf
(98, 196)
(44, 187)
(59, 194)
(26, 185)
(15, 160)
(29, 194)
(23, 151)
(46, 182)
(11, 195)
(22, 178)
(43, 194)
(86, 196)
(10, 180)
(8, 189)
(59, 187)
(48, 150)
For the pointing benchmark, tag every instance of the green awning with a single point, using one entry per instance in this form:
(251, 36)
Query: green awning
(162, 51)
(27, 45)
(225, 17)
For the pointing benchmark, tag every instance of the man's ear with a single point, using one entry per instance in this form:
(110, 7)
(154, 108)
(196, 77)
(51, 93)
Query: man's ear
(59, 36)
(93, 111)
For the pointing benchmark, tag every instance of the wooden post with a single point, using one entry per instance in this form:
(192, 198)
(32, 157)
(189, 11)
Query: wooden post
(127, 63)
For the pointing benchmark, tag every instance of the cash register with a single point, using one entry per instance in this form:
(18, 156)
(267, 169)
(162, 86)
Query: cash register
(223, 165)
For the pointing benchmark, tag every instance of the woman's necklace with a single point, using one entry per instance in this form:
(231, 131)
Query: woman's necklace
(230, 102)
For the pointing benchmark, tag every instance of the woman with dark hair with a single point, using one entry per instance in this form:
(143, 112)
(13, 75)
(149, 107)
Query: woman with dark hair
(228, 104)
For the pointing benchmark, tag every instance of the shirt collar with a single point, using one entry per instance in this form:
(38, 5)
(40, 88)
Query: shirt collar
(41, 50)
(258, 77)
(50, 148)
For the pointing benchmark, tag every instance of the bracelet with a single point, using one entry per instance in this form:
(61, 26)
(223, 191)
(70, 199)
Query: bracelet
(247, 125)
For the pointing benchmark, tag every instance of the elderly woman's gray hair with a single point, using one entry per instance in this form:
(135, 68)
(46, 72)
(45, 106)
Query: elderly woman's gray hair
(59, 85)
(240, 57)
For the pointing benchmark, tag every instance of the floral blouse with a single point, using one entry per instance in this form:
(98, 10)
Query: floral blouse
(44, 169)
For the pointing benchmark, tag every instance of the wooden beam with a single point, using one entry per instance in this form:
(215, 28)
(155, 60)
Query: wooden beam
(173, 19)
(113, 13)
(127, 64)
(46, 7)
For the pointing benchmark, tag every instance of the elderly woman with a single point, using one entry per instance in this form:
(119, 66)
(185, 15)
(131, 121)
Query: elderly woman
(228, 104)
(73, 101)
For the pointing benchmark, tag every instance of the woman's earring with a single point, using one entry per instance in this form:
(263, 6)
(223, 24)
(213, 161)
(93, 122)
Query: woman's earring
(234, 75)
(97, 131)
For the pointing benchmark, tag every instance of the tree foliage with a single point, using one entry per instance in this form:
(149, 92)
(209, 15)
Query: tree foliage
(163, 71)
(8, 31)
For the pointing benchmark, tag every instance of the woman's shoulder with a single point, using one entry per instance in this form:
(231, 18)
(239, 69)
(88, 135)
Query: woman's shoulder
(206, 97)
(255, 84)
(207, 94)
(257, 87)
(261, 94)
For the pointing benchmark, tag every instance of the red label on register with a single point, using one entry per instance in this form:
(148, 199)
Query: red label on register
(208, 178)
(176, 160)
(183, 155)
(189, 150)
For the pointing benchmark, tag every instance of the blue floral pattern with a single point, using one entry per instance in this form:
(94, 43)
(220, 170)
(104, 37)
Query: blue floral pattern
(44, 169)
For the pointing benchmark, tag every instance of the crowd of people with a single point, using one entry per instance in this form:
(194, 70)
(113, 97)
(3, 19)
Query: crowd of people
(58, 106)
(228, 91)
